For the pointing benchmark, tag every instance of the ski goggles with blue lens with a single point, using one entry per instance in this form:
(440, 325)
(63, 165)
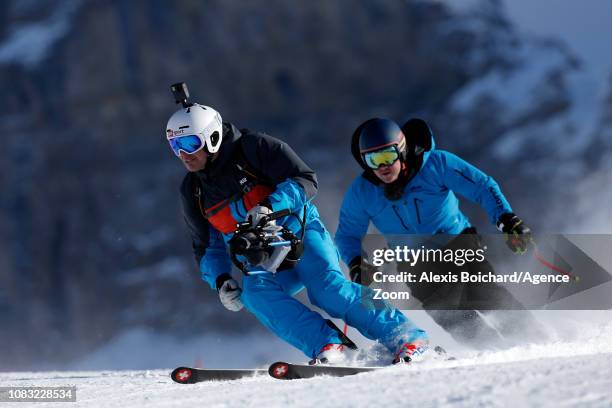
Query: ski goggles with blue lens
(382, 157)
(189, 144)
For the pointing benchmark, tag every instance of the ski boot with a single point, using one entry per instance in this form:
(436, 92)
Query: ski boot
(334, 353)
(411, 351)
(330, 354)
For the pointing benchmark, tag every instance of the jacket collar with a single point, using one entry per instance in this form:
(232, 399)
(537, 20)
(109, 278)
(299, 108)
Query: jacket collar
(231, 135)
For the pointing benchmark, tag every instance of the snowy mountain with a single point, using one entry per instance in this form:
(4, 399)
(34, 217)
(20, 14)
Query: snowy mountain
(549, 113)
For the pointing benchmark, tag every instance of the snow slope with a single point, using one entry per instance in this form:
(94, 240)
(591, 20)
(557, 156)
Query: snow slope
(565, 380)
(562, 373)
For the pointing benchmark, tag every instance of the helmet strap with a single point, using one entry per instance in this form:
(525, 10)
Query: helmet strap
(209, 158)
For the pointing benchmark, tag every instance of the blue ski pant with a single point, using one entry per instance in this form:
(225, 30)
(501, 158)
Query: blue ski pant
(270, 298)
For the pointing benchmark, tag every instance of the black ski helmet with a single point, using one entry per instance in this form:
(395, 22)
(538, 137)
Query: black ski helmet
(378, 133)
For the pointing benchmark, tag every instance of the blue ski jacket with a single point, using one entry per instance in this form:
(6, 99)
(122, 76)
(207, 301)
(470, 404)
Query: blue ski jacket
(429, 204)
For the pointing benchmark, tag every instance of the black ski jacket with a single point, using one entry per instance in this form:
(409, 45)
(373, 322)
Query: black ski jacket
(248, 170)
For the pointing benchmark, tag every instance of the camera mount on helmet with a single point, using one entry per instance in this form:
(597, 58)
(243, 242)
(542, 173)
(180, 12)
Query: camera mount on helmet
(181, 94)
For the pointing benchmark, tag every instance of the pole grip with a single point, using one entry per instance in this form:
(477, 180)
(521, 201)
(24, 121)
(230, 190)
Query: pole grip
(278, 214)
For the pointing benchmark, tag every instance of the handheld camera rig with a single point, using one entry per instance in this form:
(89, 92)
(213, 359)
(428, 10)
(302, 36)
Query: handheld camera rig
(270, 247)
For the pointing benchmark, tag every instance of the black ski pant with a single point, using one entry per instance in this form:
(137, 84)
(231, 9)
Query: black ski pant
(465, 310)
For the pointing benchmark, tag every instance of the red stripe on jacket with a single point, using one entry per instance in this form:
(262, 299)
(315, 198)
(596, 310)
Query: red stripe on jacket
(224, 222)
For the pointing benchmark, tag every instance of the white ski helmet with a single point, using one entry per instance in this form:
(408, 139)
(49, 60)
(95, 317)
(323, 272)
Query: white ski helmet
(202, 121)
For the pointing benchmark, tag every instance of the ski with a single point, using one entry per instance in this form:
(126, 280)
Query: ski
(280, 370)
(287, 371)
(189, 375)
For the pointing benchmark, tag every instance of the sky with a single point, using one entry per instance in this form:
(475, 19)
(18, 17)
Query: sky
(585, 25)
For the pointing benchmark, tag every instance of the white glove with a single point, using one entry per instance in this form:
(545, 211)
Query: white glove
(229, 293)
(256, 213)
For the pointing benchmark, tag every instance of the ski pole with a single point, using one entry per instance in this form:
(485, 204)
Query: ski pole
(538, 256)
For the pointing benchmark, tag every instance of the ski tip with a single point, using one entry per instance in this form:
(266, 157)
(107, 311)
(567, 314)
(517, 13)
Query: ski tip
(279, 370)
(183, 375)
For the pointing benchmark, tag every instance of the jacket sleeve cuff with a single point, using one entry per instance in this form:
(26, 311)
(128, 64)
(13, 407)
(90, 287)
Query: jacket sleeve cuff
(211, 267)
(356, 261)
(221, 279)
(504, 221)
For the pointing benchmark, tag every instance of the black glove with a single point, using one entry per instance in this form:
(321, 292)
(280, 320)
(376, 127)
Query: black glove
(361, 271)
(518, 235)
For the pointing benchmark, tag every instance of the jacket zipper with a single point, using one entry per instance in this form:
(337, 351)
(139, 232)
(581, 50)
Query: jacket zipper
(237, 207)
(400, 218)
(416, 206)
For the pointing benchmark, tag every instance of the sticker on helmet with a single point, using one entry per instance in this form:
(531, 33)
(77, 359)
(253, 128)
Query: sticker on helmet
(173, 133)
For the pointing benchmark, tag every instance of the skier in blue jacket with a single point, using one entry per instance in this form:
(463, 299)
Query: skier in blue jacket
(239, 175)
(409, 187)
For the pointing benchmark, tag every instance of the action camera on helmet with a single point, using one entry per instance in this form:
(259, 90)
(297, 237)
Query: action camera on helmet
(181, 94)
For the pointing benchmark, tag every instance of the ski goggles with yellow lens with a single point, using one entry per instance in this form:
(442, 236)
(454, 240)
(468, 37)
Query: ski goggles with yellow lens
(189, 144)
(382, 157)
